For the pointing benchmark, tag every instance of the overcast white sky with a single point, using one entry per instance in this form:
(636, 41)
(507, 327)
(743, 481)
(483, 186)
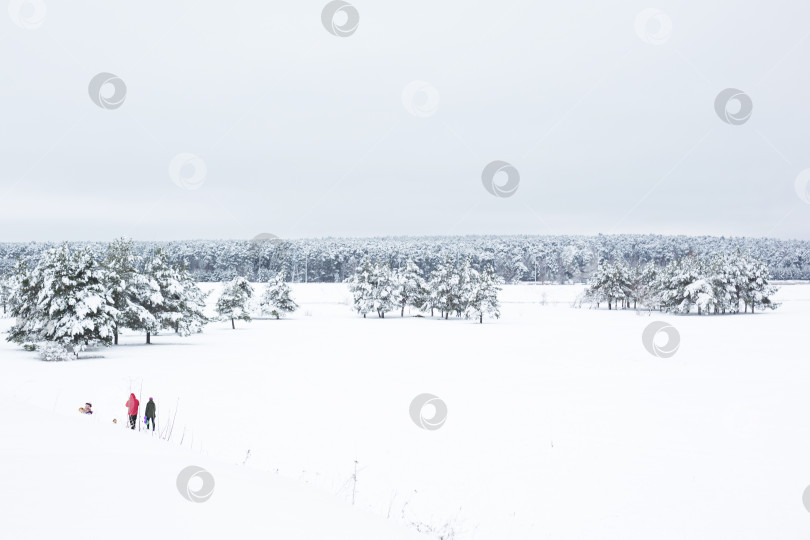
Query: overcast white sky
(304, 133)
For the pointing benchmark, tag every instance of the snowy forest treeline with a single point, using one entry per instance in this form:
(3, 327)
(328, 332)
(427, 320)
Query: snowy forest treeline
(556, 259)
(73, 298)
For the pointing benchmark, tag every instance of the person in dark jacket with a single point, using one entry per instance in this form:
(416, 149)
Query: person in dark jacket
(132, 410)
(150, 414)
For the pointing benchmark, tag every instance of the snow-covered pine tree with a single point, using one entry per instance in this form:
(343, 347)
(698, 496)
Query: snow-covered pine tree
(725, 276)
(130, 290)
(467, 284)
(611, 283)
(700, 293)
(444, 289)
(72, 305)
(483, 294)
(594, 292)
(680, 286)
(234, 301)
(624, 283)
(170, 296)
(277, 299)
(448, 287)
(383, 290)
(432, 288)
(26, 284)
(189, 318)
(158, 269)
(634, 285)
(644, 278)
(411, 289)
(373, 289)
(756, 291)
(360, 288)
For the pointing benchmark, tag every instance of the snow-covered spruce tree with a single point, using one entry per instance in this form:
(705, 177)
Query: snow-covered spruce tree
(234, 301)
(131, 291)
(411, 289)
(360, 288)
(277, 299)
(72, 305)
(483, 289)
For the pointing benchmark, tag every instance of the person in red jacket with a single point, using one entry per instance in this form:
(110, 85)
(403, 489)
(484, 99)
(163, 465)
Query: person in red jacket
(132, 410)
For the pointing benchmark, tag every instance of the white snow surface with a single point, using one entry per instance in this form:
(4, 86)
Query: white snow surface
(560, 425)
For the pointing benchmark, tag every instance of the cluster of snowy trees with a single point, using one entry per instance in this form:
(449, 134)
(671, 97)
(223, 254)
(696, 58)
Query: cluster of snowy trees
(451, 288)
(724, 283)
(560, 258)
(236, 302)
(73, 299)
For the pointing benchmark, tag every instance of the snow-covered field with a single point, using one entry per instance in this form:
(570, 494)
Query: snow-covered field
(560, 425)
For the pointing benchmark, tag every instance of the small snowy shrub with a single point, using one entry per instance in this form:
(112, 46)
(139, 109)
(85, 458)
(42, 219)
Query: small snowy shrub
(28, 346)
(52, 351)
